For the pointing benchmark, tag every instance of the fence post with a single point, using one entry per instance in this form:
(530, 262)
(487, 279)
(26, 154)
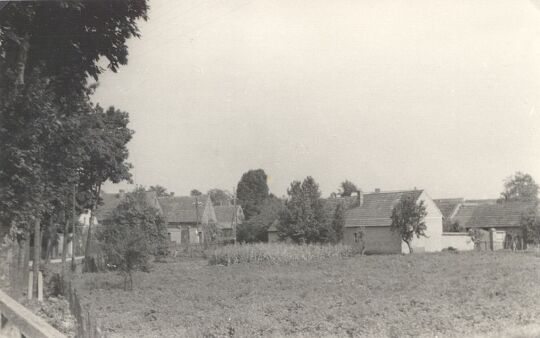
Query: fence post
(492, 239)
(40, 286)
(30, 284)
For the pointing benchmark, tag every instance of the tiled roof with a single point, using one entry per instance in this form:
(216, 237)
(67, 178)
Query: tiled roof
(447, 206)
(377, 208)
(330, 204)
(182, 209)
(464, 213)
(225, 215)
(109, 202)
(507, 214)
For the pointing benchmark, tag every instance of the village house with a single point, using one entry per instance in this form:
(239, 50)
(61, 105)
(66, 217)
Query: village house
(228, 217)
(109, 202)
(194, 219)
(448, 208)
(368, 223)
(185, 216)
(492, 214)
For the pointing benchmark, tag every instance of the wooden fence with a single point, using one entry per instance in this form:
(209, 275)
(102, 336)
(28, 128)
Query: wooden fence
(18, 321)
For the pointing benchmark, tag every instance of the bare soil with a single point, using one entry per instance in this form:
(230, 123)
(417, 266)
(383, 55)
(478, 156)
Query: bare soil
(446, 295)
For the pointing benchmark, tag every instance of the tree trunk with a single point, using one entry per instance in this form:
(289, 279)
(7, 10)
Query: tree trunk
(37, 255)
(25, 270)
(74, 231)
(65, 242)
(22, 56)
(88, 266)
(410, 247)
(50, 236)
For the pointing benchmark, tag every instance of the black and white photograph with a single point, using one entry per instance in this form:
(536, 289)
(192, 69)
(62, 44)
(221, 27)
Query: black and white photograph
(269, 168)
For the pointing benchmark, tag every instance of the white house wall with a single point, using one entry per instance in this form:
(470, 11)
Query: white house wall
(434, 229)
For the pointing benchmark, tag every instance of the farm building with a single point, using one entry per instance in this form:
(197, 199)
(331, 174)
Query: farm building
(185, 215)
(189, 218)
(227, 219)
(448, 208)
(109, 202)
(489, 214)
(368, 222)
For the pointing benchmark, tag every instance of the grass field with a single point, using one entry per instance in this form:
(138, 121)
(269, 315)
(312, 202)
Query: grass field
(446, 294)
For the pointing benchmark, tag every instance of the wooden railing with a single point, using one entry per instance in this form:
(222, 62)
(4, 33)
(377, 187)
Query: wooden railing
(17, 321)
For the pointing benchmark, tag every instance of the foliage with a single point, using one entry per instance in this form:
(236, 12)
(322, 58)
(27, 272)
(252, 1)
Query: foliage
(52, 136)
(347, 188)
(220, 197)
(136, 232)
(277, 253)
(530, 224)
(195, 192)
(408, 219)
(255, 230)
(160, 190)
(33, 35)
(453, 226)
(338, 223)
(520, 187)
(303, 219)
(252, 190)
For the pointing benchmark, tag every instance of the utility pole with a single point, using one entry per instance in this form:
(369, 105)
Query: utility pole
(235, 217)
(197, 218)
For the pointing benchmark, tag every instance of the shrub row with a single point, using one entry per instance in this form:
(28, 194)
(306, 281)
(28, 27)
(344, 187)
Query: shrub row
(277, 253)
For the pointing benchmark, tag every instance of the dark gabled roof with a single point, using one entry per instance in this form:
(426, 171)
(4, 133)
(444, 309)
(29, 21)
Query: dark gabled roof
(225, 215)
(109, 202)
(464, 213)
(482, 201)
(447, 206)
(182, 209)
(330, 204)
(377, 208)
(506, 214)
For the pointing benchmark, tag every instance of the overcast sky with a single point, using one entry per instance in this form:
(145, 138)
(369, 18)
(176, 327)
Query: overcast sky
(435, 94)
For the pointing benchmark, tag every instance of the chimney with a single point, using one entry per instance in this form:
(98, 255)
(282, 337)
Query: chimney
(377, 190)
(360, 197)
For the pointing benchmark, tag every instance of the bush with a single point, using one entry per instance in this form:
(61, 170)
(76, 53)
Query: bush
(136, 232)
(277, 253)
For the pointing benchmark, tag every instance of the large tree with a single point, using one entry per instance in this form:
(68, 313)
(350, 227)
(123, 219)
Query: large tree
(47, 52)
(105, 142)
(338, 223)
(347, 188)
(304, 219)
(195, 192)
(255, 230)
(252, 190)
(530, 225)
(408, 219)
(159, 190)
(520, 187)
(65, 40)
(220, 197)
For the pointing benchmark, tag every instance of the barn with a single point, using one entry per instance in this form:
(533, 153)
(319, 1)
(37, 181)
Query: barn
(368, 223)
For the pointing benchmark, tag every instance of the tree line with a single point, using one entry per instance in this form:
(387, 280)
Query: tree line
(58, 147)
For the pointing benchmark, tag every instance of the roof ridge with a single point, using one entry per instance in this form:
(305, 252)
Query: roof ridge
(393, 191)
